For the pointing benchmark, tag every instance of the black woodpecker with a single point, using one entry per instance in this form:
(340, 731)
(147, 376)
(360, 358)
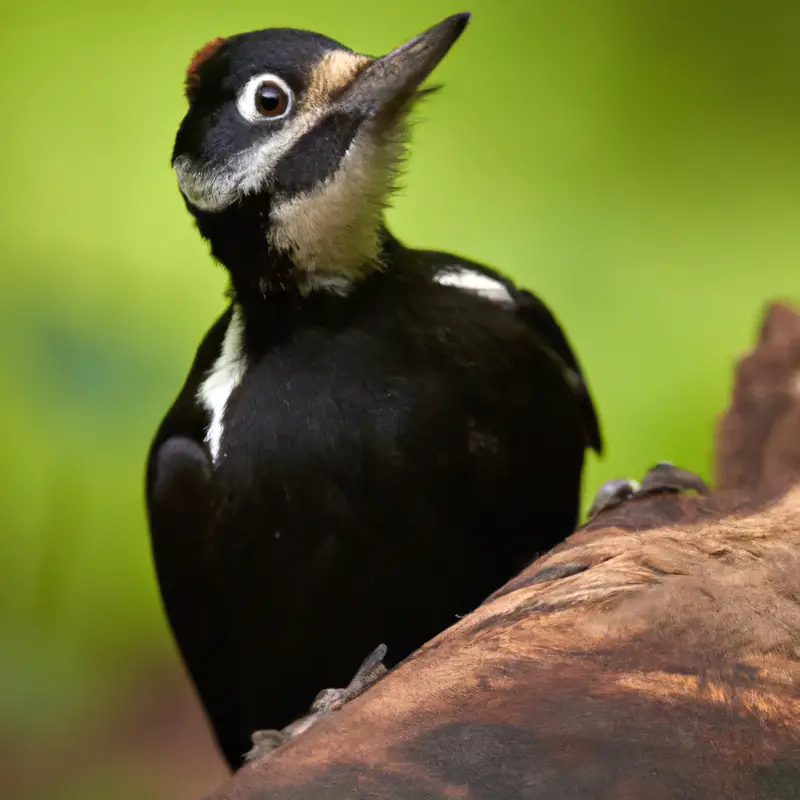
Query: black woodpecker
(371, 438)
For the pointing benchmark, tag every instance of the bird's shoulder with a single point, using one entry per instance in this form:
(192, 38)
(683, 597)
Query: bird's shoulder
(476, 279)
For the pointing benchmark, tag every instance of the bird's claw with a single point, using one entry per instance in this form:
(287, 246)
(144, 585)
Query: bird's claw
(264, 742)
(663, 477)
(326, 702)
(369, 672)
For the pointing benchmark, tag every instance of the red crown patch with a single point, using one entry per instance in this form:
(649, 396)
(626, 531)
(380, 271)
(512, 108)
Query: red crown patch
(199, 58)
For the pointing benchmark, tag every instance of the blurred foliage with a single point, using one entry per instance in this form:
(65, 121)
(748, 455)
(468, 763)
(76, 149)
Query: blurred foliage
(635, 163)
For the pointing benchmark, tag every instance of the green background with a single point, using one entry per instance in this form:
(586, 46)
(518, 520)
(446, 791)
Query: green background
(634, 162)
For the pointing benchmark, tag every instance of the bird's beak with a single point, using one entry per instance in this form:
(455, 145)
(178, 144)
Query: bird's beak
(388, 83)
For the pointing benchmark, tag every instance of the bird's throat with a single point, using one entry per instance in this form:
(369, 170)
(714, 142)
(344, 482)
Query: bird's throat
(269, 251)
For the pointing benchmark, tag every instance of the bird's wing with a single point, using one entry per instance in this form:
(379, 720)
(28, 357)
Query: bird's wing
(540, 318)
(182, 499)
(479, 279)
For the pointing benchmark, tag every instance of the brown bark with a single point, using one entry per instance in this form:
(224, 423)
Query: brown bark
(668, 667)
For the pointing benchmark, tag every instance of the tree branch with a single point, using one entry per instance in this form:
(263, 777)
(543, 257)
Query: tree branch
(665, 663)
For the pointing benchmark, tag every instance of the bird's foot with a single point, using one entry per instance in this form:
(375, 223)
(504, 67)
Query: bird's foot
(327, 701)
(663, 477)
(369, 672)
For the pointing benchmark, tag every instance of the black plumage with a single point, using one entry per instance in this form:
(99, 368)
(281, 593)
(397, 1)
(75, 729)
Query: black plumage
(392, 447)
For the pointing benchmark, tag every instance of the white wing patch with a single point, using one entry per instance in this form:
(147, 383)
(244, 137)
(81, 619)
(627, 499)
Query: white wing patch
(222, 379)
(470, 280)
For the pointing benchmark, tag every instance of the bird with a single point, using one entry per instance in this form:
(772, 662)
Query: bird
(371, 438)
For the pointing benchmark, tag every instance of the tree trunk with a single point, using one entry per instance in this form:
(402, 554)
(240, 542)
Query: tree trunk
(664, 664)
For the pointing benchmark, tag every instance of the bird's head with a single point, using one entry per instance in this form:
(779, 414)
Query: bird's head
(289, 150)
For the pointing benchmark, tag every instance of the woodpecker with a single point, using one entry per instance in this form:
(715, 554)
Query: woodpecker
(371, 438)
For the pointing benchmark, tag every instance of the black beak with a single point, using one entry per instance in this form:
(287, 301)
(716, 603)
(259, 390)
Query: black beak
(388, 83)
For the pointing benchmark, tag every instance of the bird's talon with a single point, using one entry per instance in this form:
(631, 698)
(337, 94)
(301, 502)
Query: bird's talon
(663, 477)
(327, 701)
(666, 477)
(369, 672)
(264, 742)
(612, 493)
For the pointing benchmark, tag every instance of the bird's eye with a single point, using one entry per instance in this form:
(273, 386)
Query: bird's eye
(271, 99)
(265, 97)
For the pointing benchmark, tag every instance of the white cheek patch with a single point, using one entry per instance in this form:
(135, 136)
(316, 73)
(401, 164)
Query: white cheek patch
(215, 188)
(223, 377)
(208, 188)
(474, 282)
